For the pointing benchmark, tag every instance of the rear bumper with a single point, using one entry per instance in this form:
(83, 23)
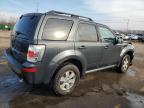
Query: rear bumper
(43, 75)
(17, 68)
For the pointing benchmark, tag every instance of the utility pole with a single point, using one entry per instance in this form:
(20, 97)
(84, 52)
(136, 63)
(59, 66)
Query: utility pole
(37, 6)
(128, 25)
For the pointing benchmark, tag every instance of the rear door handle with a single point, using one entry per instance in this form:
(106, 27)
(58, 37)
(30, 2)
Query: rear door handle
(82, 47)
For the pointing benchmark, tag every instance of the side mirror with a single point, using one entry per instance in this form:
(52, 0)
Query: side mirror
(118, 40)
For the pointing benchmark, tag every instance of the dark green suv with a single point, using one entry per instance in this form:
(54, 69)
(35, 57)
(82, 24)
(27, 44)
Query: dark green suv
(58, 48)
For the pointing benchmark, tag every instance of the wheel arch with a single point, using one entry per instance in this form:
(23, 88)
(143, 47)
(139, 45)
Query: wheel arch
(69, 56)
(130, 53)
(73, 61)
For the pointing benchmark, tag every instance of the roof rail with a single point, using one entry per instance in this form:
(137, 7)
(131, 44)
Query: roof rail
(67, 14)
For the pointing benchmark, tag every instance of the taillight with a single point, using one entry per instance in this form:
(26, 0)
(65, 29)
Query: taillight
(35, 53)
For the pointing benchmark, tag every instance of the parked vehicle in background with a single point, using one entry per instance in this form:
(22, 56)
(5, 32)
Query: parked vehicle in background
(134, 37)
(57, 49)
(6, 27)
(127, 37)
(123, 35)
(120, 35)
(131, 37)
(141, 37)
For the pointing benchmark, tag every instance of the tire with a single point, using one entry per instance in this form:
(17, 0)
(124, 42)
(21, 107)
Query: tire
(125, 63)
(66, 79)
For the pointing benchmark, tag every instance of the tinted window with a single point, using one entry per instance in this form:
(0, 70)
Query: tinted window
(87, 32)
(57, 29)
(106, 34)
(26, 26)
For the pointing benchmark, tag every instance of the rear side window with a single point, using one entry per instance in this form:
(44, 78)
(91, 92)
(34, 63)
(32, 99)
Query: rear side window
(87, 33)
(26, 26)
(57, 29)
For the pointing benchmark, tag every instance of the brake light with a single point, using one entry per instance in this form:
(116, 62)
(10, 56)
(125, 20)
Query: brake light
(35, 53)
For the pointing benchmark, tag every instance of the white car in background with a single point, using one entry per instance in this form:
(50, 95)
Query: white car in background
(134, 37)
(131, 37)
(127, 37)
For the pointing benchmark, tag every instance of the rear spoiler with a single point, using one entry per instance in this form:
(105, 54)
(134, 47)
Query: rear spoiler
(32, 15)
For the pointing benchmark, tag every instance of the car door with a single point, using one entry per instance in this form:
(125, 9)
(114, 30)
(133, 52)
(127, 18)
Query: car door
(87, 43)
(111, 50)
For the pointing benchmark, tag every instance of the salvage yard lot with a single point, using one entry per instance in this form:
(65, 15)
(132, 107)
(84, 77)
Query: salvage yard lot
(103, 89)
(4, 39)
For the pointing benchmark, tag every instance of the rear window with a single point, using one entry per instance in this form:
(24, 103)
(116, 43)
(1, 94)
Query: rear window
(57, 29)
(26, 26)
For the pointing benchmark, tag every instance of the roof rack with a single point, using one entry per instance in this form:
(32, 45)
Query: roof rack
(67, 14)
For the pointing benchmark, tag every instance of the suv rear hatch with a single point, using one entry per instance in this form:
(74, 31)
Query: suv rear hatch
(23, 35)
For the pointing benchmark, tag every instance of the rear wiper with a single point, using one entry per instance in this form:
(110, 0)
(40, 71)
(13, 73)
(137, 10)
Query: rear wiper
(18, 33)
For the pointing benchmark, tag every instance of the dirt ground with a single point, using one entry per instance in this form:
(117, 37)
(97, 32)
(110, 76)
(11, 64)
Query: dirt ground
(103, 89)
(4, 39)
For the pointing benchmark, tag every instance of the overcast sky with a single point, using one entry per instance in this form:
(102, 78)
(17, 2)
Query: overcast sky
(114, 13)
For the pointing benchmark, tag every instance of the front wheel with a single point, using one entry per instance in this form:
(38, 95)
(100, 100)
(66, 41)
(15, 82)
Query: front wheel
(125, 63)
(66, 79)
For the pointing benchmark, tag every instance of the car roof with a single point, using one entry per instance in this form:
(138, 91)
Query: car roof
(74, 16)
(64, 15)
(71, 16)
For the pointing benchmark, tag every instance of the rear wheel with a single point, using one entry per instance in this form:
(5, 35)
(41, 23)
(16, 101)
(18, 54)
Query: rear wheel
(66, 79)
(125, 63)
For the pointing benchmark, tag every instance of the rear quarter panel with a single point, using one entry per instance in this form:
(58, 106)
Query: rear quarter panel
(55, 52)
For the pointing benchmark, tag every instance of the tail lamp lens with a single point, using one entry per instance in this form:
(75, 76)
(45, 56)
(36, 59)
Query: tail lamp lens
(35, 53)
